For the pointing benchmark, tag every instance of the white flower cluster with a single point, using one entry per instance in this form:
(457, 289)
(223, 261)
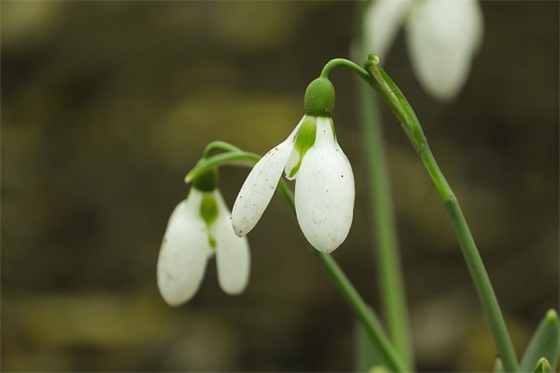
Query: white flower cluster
(202, 224)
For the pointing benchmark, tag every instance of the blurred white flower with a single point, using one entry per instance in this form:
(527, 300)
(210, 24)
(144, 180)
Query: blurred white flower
(324, 190)
(442, 37)
(199, 227)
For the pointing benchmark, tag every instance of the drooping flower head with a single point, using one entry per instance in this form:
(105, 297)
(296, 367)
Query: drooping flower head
(442, 37)
(324, 190)
(198, 228)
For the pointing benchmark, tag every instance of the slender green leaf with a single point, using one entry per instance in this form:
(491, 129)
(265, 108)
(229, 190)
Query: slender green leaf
(543, 344)
(543, 366)
(368, 356)
(498, 366)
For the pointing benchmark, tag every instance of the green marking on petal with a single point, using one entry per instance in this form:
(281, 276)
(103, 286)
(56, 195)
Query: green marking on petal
(305, 139)
(209, 213)
(211, 240)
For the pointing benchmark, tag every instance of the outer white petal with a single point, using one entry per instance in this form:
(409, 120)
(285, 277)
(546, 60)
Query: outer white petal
(382, 21)
(184, 252)
(232, 252)
(324, 194)
(258, 188)
(442, 39)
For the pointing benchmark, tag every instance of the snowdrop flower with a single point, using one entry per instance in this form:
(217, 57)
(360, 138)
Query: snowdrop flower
(198, 228)
(324, 189)
(442, 38)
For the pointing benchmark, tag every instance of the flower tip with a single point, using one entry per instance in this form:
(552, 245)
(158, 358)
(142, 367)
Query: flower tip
(551, 315)
(173, 292)
(173, 302)
(240, 229)
(326, 246)
(229, 290)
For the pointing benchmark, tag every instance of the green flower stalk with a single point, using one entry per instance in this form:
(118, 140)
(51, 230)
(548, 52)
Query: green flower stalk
(400, 106)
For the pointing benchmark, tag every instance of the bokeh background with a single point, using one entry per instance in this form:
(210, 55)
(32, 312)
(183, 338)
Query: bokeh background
(107, 105)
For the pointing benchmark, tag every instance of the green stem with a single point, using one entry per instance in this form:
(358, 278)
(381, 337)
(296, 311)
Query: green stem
(360, 308)
(363, 312)
(398, 103)
(346, 63)
(232, 157)
(219, 145)
(388, 265)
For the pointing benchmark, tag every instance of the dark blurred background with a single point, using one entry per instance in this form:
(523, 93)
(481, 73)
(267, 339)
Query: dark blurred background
(107, 105)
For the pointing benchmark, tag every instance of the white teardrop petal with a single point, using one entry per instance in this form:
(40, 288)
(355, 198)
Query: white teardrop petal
(232, 252)
(382, 21)
(184, 252)
(324, 192)
(259, 187)
(442, 37)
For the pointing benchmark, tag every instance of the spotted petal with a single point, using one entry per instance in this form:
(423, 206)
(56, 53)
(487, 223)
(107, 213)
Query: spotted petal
(324, 192)
(232, 252)
(184, 252)
(259, 187)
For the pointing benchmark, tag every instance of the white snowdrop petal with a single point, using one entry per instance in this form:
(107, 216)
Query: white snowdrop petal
(184, 252)
(259, 187)
(324, 192)
(442, 37)
(232, 252)
(383, 20)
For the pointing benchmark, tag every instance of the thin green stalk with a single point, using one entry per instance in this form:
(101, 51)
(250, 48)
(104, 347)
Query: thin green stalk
(360, 308)
(362, 311)
(219, 145)
(342, 62)
(398, 103)
(388, 265)
(231, 157)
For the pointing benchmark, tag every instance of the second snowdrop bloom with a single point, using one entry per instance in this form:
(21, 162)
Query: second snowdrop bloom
(442, 37)
(198, 228)
(324, 190)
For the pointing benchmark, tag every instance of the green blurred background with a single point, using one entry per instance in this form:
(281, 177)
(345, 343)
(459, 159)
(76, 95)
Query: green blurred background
(107, 105)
